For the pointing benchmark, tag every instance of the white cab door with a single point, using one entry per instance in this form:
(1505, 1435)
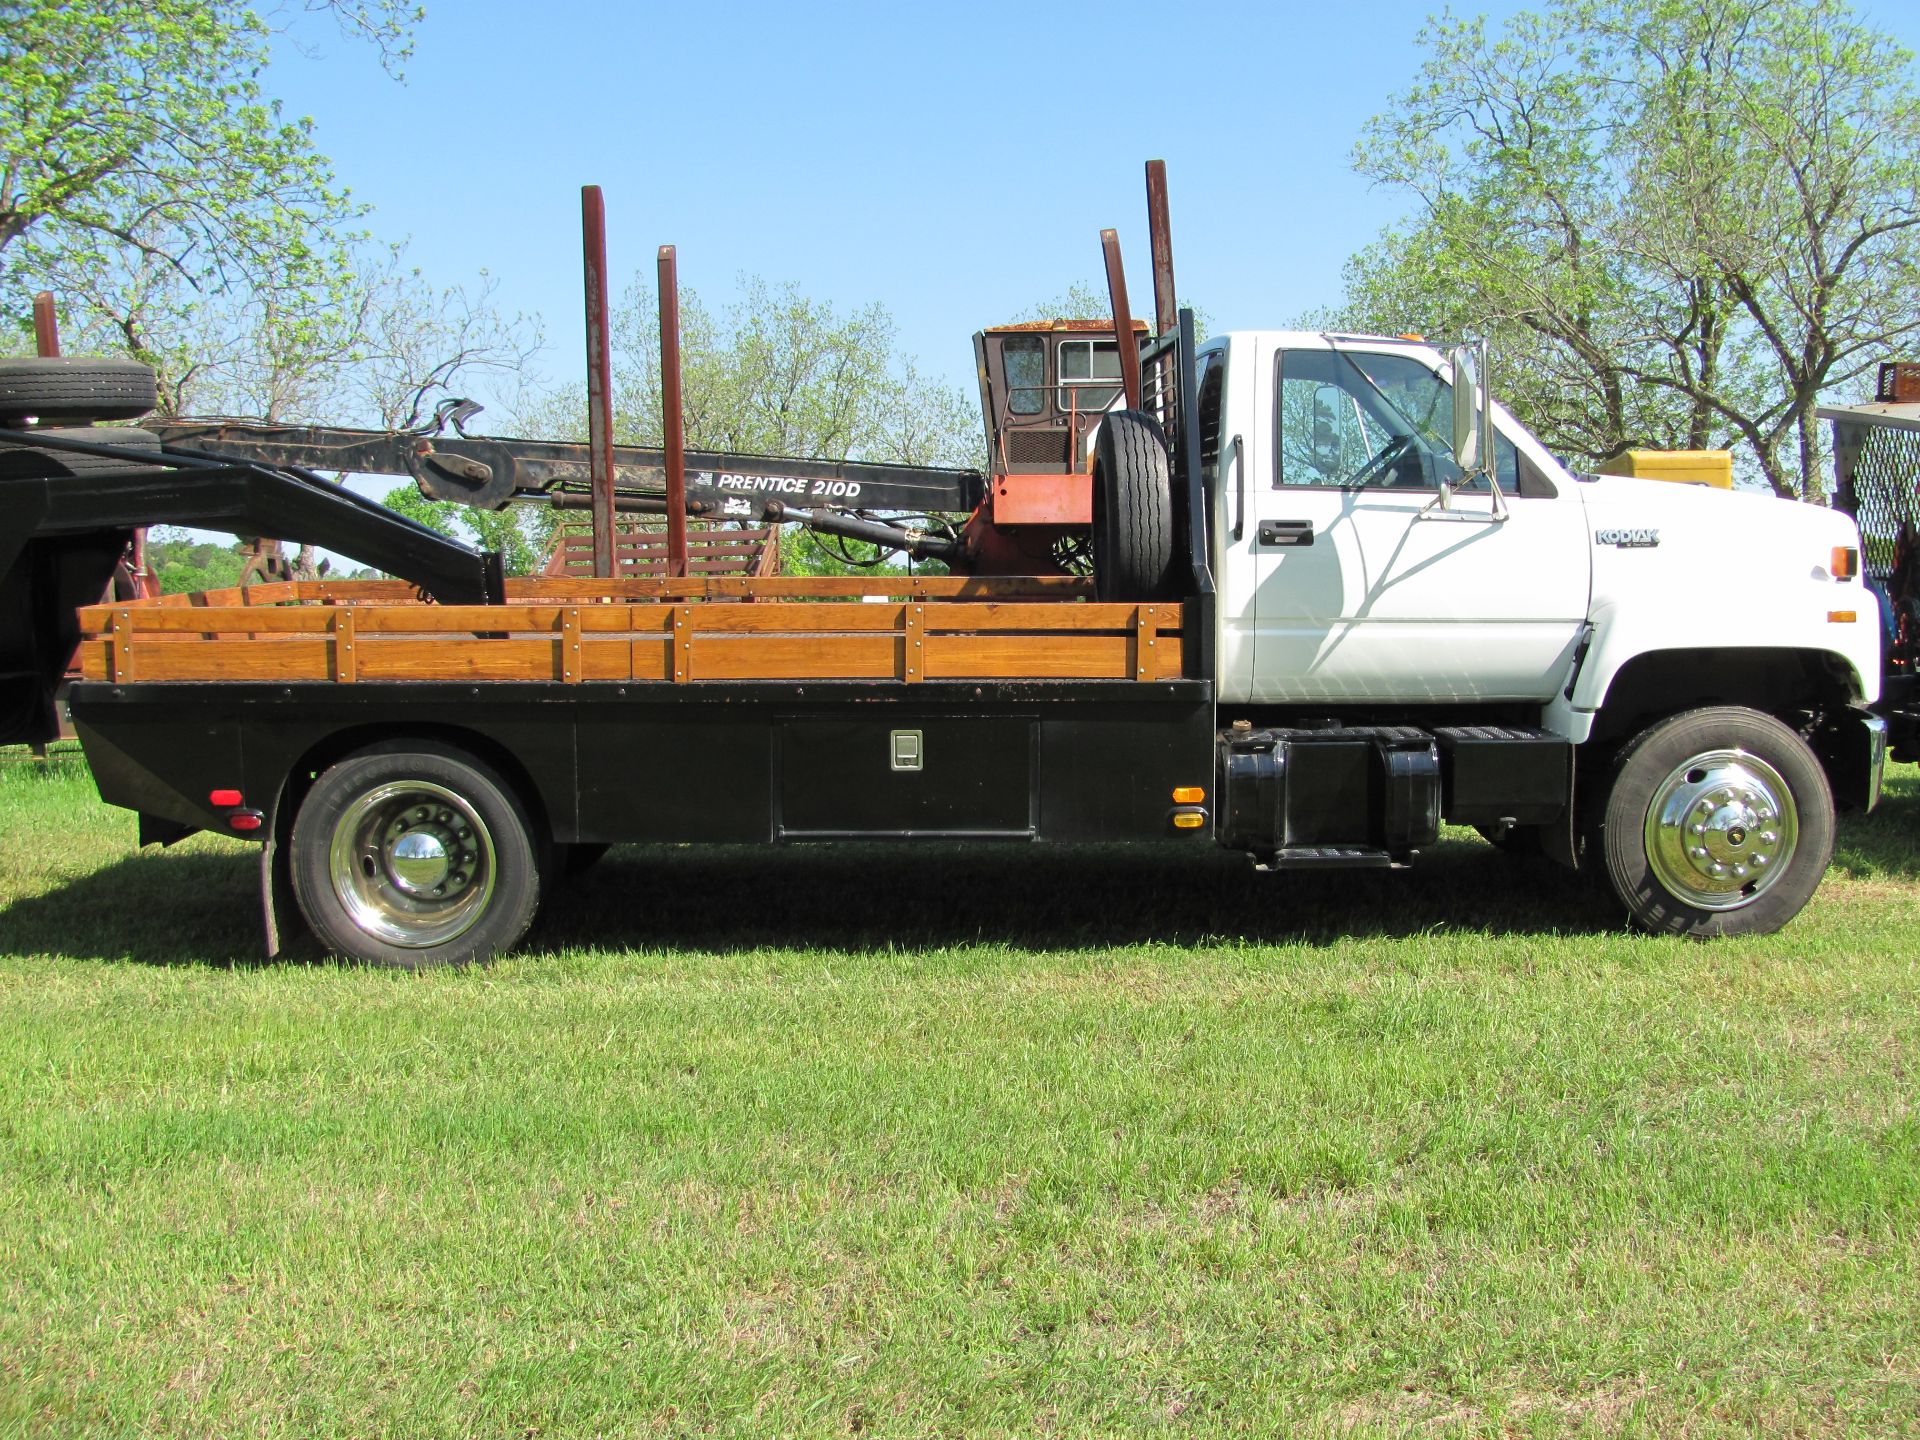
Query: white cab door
(1366, 589)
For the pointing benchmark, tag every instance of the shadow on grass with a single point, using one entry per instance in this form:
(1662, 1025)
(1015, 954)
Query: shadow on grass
(173, 909)
(158, 908)
(1887, 842)
(863, 897)
(182, 908)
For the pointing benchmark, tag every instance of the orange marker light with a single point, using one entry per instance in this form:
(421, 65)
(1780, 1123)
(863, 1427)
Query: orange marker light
(1842, 617)
(1189, 819)
(1189, 795)
(1845, 562)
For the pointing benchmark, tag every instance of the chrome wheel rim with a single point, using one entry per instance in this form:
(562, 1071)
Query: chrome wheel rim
(1721, 829)
(412, 863)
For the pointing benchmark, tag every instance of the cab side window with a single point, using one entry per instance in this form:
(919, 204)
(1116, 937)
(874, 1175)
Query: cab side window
(1354, 420)
(1025, 359)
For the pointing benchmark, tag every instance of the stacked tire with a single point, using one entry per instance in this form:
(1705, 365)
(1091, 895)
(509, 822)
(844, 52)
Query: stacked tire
(68, 398)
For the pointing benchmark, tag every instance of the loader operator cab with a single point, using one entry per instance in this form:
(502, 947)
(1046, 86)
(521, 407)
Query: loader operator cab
(1043, 386)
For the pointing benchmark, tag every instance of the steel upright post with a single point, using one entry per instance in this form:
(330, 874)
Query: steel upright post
(672, 420)
(593, 229)
(46, 326)
(1128, 347)
(1166, 305)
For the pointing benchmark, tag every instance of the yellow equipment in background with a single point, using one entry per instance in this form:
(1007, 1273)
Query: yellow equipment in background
(1684, 467)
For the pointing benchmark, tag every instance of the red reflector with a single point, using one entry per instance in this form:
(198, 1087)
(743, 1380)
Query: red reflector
(245, 820)
(223, 797)
(1844, 563)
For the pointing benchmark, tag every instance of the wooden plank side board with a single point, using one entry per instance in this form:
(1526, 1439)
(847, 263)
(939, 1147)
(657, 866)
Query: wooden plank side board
(779, 617)
(1031, 615)
(794, 657)
(302, 658)
(1029, 657)
(397, 659)
(253, 619)
(509, 619)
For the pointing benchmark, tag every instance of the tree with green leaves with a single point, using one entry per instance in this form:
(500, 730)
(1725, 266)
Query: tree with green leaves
(138, 151)
(521, 533)
(1682, 222)
(778, 373)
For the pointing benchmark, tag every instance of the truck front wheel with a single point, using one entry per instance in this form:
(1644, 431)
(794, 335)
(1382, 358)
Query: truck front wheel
(1719, 822)
(414, 857)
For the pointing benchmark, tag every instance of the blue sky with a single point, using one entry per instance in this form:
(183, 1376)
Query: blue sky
(954, 162)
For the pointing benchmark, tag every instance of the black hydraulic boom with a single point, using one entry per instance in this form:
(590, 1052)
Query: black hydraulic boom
(488, 472)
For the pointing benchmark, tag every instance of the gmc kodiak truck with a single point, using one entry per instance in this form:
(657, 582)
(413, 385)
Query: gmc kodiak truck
(1301, 595)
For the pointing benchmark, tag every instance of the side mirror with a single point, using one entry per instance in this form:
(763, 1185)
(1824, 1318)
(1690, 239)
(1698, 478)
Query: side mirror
(1472, 408)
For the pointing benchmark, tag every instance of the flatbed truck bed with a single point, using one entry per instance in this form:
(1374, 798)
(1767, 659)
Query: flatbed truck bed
(705, 709)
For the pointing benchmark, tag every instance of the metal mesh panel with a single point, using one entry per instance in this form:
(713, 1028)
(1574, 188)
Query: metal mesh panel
(1879, 473)
(1036, 447)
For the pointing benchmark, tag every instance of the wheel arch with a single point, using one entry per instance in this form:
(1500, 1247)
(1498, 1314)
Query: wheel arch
(339, 744)
(1798, 686)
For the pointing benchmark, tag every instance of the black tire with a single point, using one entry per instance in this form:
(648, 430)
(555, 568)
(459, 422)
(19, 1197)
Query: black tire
(1717, 822)
(19, 462)
(1133, 530)
(74, 388)
(367, 900)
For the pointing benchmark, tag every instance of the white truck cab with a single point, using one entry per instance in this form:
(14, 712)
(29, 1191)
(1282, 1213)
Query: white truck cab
(1386, 556)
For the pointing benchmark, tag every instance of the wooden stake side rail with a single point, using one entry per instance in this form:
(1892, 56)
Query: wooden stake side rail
(799, 628)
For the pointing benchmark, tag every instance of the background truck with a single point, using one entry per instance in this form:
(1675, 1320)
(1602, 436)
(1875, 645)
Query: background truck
(1302, 595)
(1876, 449)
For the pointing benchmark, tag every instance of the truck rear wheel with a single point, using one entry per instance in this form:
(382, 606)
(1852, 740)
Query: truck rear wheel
(1719, 822)
(1133, 530)
(74, 388)
(413, 857)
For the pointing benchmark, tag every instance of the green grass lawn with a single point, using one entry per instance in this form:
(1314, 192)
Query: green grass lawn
(957, 1142)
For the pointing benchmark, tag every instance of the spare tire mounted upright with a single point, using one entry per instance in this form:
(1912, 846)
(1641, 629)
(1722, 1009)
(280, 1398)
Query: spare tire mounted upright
(1133, 516)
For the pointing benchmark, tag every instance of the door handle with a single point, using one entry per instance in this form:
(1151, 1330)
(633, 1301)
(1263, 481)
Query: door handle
(1239, 488)
(1286, 532)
